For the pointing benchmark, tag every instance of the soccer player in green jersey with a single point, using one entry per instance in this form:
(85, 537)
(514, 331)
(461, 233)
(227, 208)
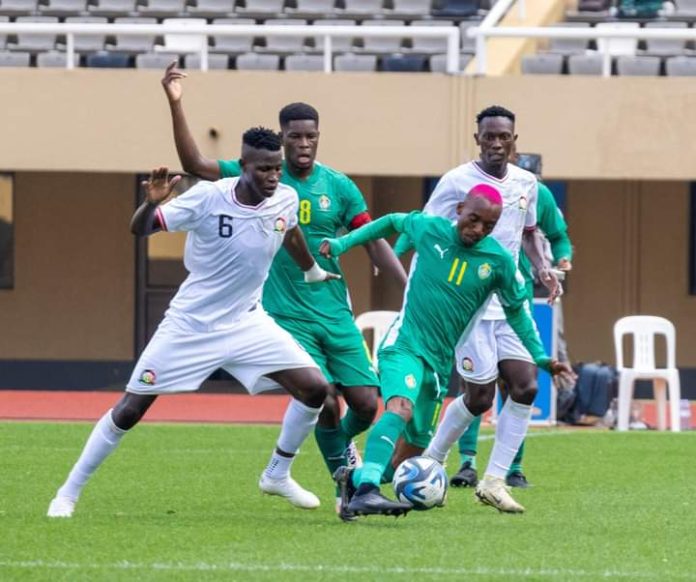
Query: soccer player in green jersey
(320, 320)
(456, 269)
(551, 222)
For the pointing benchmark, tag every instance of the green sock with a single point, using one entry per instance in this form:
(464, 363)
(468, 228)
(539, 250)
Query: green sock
(516, 466)
(332, 445)
(353, 425)
(388, 474)
(379, 448)
(468, 442)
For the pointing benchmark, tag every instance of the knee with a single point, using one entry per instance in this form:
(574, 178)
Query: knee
(523, 392)
(315, 392)
(331, 413)
(401, 406)
(127, 414)
(479, 401)
(366, 406)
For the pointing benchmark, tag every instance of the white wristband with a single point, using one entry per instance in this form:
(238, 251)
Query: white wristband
(314, 274)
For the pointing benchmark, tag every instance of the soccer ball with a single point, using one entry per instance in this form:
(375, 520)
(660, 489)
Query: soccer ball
(420, 481)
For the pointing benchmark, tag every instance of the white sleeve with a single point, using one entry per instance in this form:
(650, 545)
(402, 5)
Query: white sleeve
(294, 209)
(531, 219)
(444, 199)
(186, 211)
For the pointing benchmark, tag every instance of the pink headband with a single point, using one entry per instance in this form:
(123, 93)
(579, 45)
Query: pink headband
(487, 192)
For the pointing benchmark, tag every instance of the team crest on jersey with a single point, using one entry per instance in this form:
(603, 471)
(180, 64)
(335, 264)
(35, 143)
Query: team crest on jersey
(280, 225)
(484, 271)
(324, 202)
(468, 364)
(410, 381)
(148, 377)
(523, 203)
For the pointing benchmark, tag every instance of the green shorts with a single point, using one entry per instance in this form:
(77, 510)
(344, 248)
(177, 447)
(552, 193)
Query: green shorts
(406, 375)
(337, 347)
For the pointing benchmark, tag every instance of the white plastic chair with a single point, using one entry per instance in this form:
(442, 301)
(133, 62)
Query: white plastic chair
(378, 322)
(644, 328)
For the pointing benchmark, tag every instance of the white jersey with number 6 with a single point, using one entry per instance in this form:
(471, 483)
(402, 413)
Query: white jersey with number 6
(229, 250)
(519, 191)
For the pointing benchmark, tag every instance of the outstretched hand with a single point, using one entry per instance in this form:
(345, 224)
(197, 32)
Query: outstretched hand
(563, 371)
(171, 82)
(158, 186)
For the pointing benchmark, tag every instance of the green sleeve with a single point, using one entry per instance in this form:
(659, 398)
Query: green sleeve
(353, 201)
(513, 296)
(229, 168)
(380, 228)
(403, 244)
(550, 220)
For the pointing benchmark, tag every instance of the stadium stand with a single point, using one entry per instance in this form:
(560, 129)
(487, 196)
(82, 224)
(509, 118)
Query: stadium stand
(456, 8)
(542, 64)
(3, 37)
(399, 63)
(585, 64)
(311, 9)
(638, 66)
(215, 62)
(257, 62)
(31, 42)
(261, 8)
(680, 66)
(429, 45)
(438, 63)
(283, 44)
(304, 63)
(87, 42)
(51, 59)
(154, 60)
(337, 43)
(212, 8)
(355, 62)
(108, 60)
(130, 43)
(15, 59)
(371, 44)
(63, 7)
(18, 7)
(112, 8)
(162, 8)
(232, 45)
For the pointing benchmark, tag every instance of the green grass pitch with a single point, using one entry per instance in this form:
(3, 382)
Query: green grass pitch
(180, 502)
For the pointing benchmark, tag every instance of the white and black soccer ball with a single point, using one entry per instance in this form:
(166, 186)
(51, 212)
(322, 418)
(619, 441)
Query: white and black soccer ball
(420, 481)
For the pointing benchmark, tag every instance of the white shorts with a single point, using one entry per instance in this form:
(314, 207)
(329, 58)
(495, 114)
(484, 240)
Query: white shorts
(490, 341)
(179, 360)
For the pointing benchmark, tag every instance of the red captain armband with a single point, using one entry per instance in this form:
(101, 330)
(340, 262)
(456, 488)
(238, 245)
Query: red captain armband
(158, 221)
(360, 220)
(530, 228)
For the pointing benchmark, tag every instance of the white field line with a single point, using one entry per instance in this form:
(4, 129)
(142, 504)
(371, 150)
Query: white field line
(560, 573)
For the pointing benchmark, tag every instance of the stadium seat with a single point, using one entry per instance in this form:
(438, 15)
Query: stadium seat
(215, 62)
(51, 59)
(232, 44)
(15, 59)
(468, 43)
(356, 63)
(33, 42)
(338, 43)
(112, 8)
(542, 64)
(456, 8)
(429, 45)
(283, 44)
(618, 46)
(162, 8)
(438, 63)
(311, 8)
(594, 5)
(18, 7)
(261, 8)
(3, 37)
(680, 66)
(569, 46)
(108, 60)
(665, 46)
(304, 63)
(212, 9)
(377, 322)
(644, 329)
(63, 7)
(685, 9)
(154, 60)
(412, 8)
(638, 66)
(375, 44)
(87, 42)
(361, 8)
(403, 63)
(257, 62)
(181, 44)
(130, 43)
(590, 64)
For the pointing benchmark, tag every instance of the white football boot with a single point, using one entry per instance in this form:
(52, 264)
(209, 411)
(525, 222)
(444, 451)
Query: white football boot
(61, 507)
(493, 491)
(289, 488)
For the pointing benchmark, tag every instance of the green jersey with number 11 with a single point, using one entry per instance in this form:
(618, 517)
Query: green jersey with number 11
(329, 201)
(448, 286)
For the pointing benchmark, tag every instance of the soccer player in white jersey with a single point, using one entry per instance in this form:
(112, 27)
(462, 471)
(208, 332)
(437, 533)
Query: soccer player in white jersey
(235, 227)
(492, 349)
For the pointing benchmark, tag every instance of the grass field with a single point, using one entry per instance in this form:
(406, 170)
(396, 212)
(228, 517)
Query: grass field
(180, 502)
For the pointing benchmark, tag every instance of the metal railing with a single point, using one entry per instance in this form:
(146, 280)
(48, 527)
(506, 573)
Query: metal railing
(489, 29)
(69, 30)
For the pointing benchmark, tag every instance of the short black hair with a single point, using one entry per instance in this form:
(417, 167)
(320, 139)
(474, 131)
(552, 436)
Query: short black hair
(297, 112)
(262, 138)
(495, 111)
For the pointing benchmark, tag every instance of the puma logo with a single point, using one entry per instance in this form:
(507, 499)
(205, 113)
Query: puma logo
(440, 250)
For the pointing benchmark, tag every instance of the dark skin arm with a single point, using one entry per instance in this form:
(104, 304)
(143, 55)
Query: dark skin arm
(157, 189)
(192, 161)
(384, 259)
(296, 245)
(533, 246)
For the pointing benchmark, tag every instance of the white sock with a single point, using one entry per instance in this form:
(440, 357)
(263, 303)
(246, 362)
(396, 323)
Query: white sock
(509, 434)
(103, 440)
(455, 421)
(298, 423)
